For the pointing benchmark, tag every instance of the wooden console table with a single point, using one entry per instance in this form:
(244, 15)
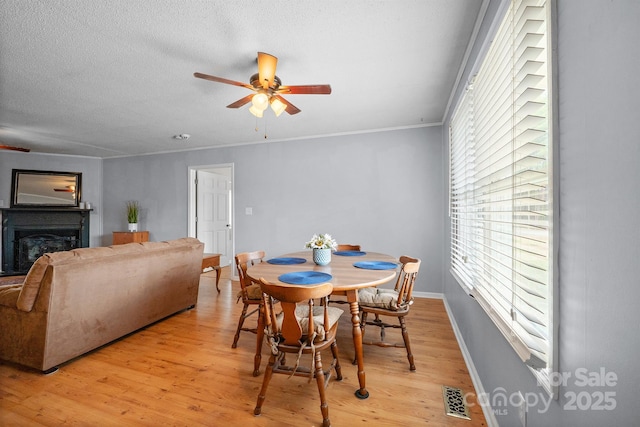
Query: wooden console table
(122, 237)
(213, 261)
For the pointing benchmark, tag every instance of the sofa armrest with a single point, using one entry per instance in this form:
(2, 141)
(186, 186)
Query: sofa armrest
(9, 294)
(32, 283)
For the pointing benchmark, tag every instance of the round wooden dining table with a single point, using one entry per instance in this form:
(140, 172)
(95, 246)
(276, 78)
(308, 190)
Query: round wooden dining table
(346, 280)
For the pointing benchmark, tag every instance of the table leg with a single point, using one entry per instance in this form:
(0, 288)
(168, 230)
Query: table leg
(362, 392)
(217, 269)
(212, 261)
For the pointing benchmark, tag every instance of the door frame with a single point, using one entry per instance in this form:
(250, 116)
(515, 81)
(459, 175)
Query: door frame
(191, 209)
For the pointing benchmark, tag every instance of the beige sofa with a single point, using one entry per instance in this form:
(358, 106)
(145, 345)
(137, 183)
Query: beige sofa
(75, 301)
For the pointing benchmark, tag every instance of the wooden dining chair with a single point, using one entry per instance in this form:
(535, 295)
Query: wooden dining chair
(391, 303)
(343, 247)
(249, 293)
(348, 248)
(300, 329)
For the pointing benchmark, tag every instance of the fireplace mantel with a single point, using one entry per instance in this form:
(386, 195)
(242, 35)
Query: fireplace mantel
(18, 222)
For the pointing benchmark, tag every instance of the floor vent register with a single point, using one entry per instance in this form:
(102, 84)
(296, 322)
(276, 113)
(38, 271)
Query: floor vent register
(454, 404)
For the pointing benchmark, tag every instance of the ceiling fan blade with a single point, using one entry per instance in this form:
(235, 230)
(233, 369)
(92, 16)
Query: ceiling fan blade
(291, 109)
(240, 102)
(306, 89)
(221, 80)
(10, 147)
(266, 69)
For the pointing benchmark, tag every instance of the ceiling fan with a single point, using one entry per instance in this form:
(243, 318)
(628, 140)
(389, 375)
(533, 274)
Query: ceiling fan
(12, 148)
(268, 89)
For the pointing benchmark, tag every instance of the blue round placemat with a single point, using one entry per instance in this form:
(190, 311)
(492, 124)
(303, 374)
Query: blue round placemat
(305, 277)
(286, 261)
(349, 253)
(375, 265)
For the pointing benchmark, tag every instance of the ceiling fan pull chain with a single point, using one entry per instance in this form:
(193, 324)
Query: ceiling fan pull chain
(265, 128)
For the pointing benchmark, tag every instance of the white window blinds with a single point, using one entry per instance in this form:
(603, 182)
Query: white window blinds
(500, 184)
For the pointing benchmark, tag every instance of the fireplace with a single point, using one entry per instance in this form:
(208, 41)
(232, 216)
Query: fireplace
(32, 246)
(27, 234)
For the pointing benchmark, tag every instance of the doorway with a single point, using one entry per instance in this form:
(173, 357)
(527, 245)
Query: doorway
(211, 209)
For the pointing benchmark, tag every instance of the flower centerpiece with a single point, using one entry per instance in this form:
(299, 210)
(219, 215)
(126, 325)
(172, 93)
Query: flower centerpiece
(322, 244)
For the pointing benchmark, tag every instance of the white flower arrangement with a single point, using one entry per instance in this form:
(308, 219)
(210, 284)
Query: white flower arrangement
(321, 241)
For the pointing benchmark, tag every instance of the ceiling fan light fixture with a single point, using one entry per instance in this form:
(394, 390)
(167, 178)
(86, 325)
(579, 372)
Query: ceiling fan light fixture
(260, 101)
(277, 106)
(255, 111)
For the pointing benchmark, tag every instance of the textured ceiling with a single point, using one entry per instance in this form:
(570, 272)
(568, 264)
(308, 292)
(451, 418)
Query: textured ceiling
(115, 78)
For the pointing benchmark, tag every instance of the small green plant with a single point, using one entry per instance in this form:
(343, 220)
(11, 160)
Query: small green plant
(133, 210)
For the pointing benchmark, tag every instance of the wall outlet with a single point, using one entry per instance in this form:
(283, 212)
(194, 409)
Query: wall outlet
(522, 410)
(248, 211)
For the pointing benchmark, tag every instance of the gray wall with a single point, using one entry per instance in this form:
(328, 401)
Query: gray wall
(91, 169)
(599, 142)
(382, 190)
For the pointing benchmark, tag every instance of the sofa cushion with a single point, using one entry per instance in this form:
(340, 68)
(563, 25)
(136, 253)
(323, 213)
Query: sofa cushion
(128, 248)
(34, 277)
(12, 280)
(32, 282)
(85, 254)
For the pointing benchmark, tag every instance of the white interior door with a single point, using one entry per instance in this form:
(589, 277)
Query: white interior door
(213, 213)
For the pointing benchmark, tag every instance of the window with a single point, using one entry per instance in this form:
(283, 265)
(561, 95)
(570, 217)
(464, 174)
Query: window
(501, 198)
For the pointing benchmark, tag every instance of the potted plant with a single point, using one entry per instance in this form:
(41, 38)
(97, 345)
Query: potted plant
(322, 244)
(133, 212)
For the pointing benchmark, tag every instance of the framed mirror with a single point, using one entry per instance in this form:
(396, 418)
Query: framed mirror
(46, 189)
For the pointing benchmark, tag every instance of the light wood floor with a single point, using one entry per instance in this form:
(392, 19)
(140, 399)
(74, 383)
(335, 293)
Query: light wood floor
(182, 371)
